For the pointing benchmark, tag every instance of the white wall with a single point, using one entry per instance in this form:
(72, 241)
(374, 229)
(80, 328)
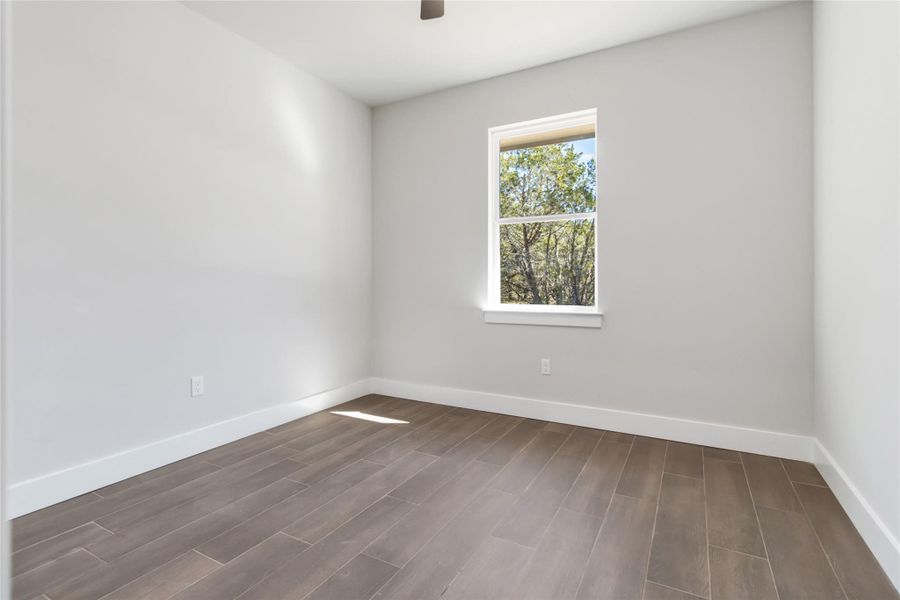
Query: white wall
(857, 266)
(705, 225)
(182, 203)
(5, 569)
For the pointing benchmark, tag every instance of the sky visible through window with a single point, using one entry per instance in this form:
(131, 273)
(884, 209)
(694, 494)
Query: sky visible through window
(586, 147)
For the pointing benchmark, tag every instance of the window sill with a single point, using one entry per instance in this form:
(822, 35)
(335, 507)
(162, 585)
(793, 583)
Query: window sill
(506, 316)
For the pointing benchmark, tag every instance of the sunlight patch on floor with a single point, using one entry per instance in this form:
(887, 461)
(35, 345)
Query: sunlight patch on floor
(365, 416)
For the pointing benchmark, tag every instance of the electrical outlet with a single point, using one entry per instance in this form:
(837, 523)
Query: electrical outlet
(545, 366)
(197, 386)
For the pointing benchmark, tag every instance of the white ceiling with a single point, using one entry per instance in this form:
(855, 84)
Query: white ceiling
(379, 51)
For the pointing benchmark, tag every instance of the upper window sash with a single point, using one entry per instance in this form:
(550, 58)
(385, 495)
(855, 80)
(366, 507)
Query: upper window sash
(551, 131)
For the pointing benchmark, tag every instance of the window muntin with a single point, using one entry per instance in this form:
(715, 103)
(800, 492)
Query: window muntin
(543, 214)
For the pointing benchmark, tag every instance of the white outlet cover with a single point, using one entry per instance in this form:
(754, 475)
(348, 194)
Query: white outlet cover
(197, 386)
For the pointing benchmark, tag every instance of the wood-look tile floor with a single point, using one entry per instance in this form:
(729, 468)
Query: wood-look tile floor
(455, 504)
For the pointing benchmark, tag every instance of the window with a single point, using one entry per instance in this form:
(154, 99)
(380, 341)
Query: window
(543, 217)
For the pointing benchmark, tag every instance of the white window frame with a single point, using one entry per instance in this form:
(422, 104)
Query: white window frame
(535, 314)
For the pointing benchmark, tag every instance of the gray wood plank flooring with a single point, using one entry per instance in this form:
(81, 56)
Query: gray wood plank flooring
(453, 504)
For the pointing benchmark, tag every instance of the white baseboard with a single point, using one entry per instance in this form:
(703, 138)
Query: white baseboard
(745, 439)
(878, 537)
(784, 445)
(33, 494)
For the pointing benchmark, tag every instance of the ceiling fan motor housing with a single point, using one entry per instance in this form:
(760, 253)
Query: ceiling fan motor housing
(431, 9)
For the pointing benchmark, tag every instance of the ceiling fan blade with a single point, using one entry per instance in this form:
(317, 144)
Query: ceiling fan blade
(432, 9)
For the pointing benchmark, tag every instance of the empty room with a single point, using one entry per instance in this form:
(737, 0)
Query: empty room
(450, 300)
